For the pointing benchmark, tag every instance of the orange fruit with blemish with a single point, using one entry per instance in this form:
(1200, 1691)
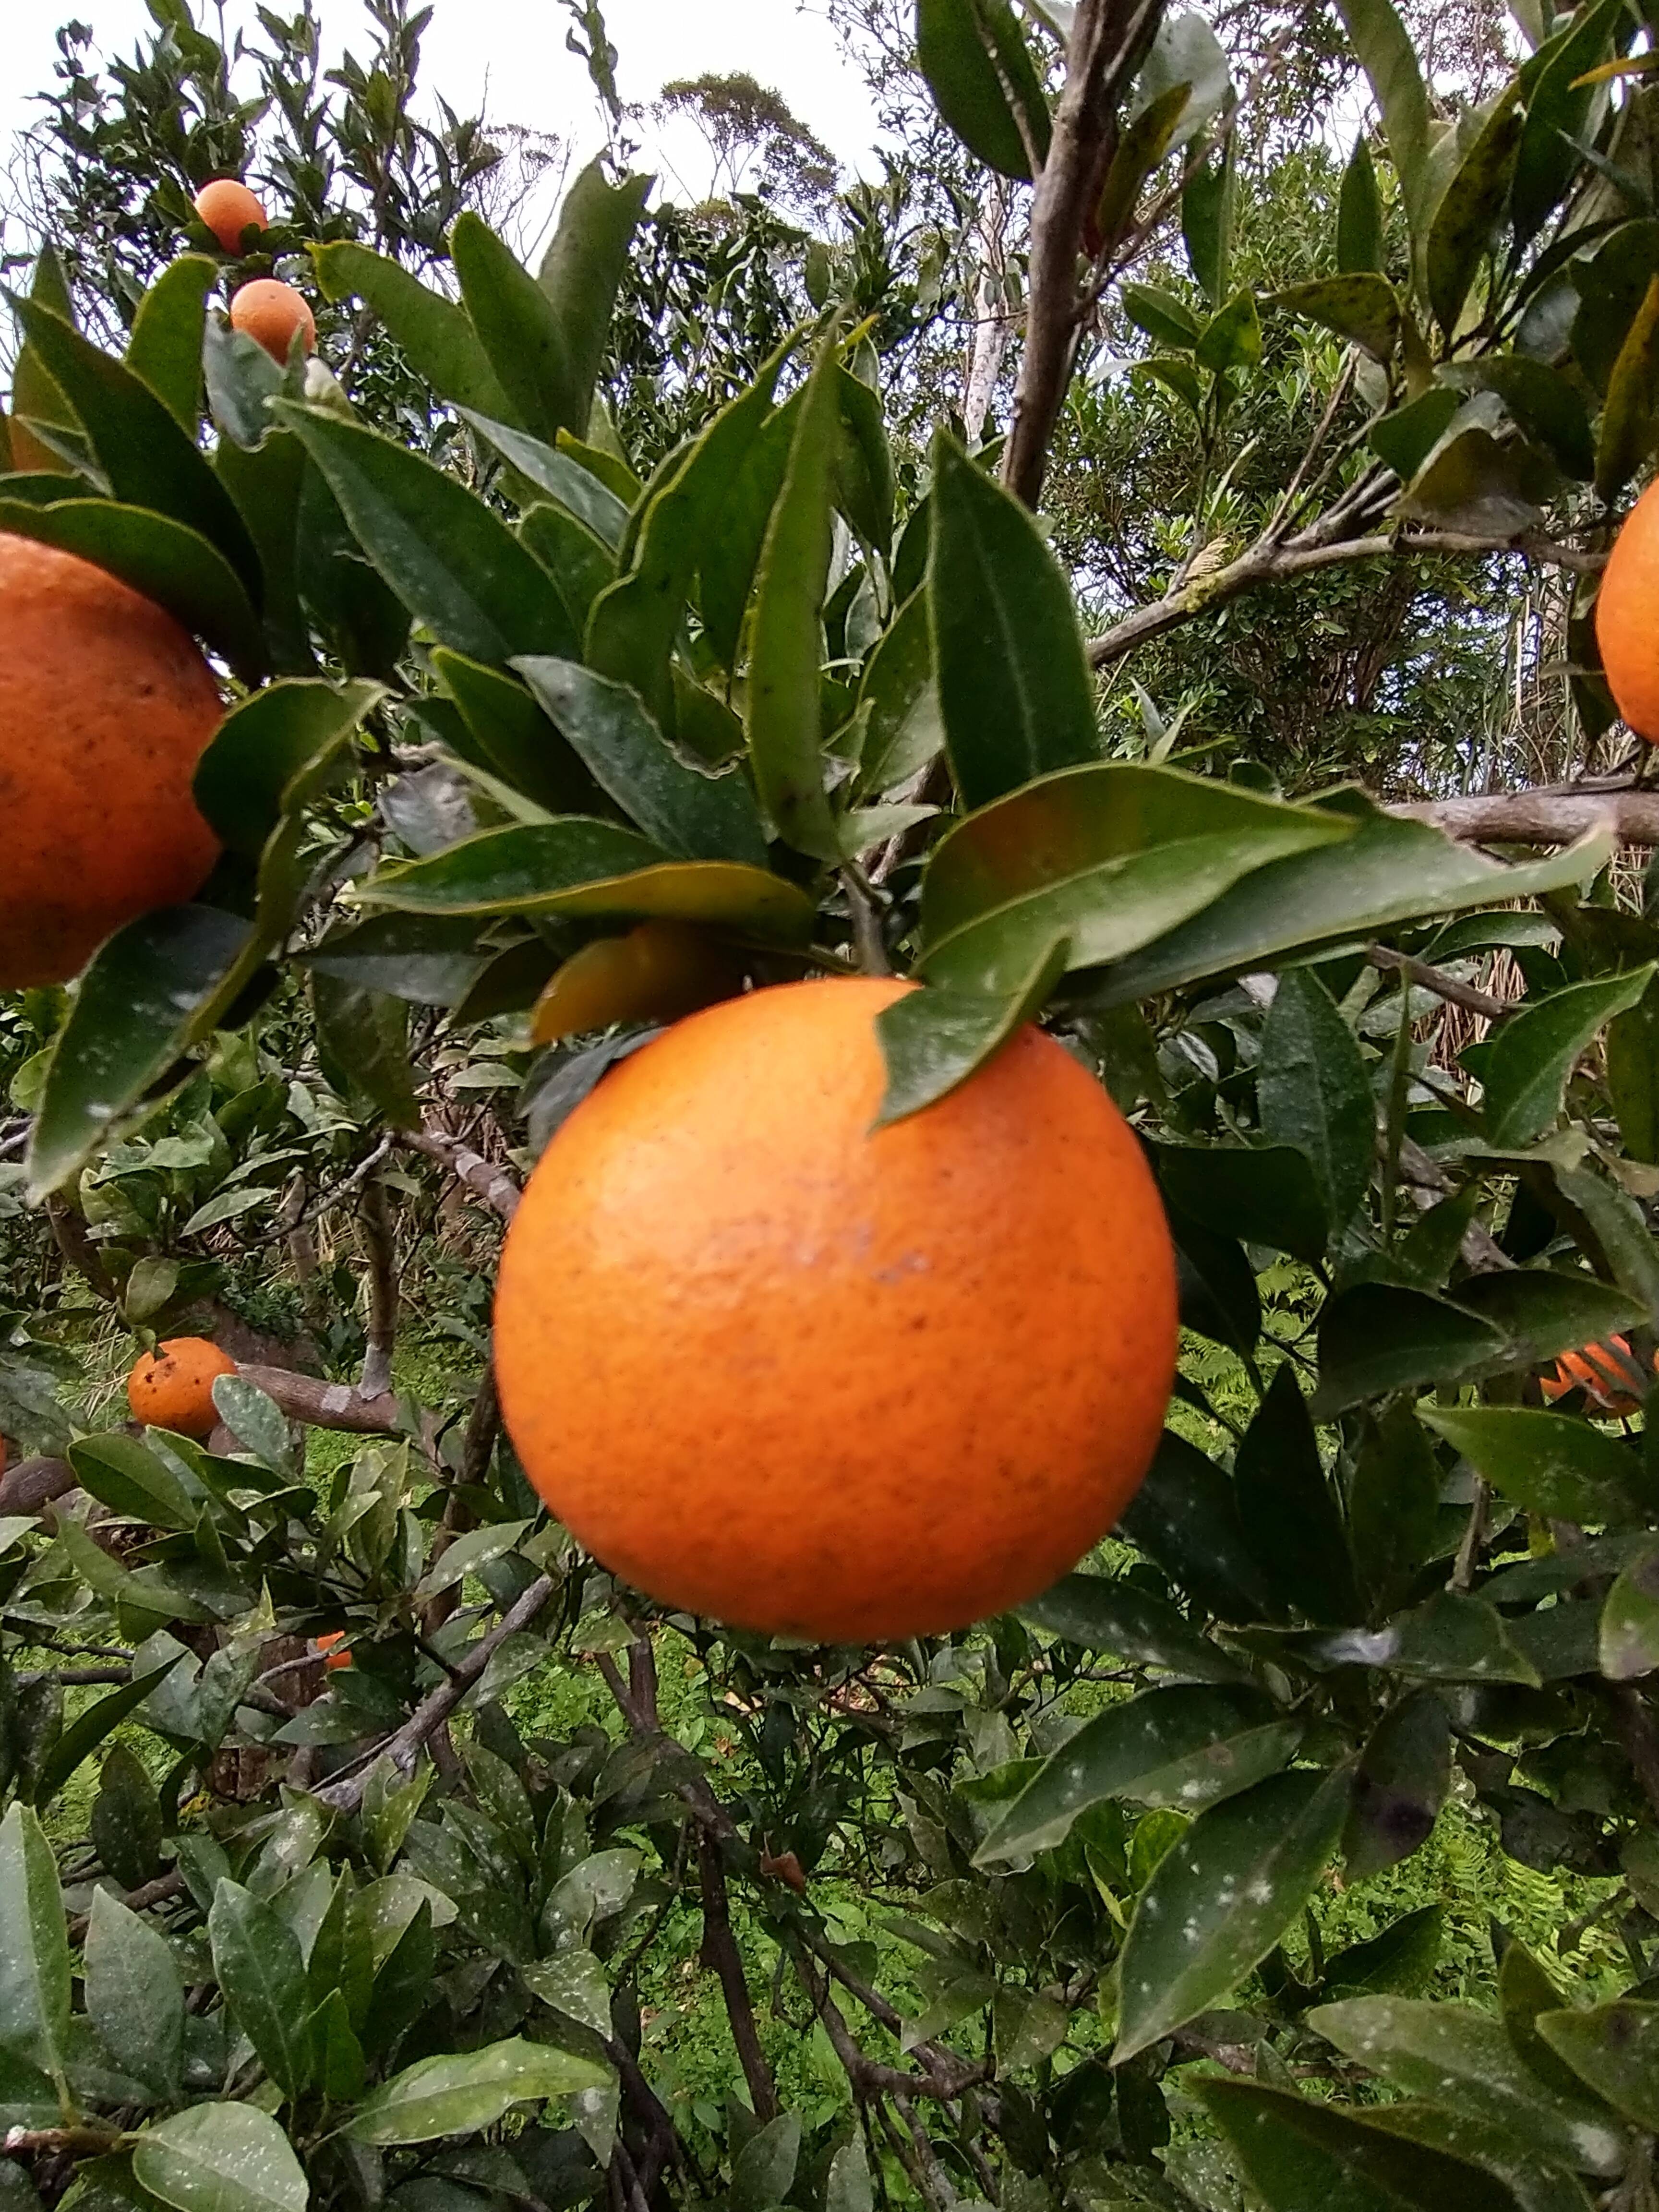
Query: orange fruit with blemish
(776, 1365)
(171, 1388)
(1627, 618)
(106, 708)
(271, 313)
(228, 208)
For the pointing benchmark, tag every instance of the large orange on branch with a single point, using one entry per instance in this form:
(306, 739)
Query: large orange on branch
(775, 1365)
(106, 707)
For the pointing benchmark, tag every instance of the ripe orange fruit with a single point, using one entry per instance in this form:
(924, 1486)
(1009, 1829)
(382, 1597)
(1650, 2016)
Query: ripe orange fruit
(1627, 618)
(775, 1366)
(659, 971)
(228, 208)
(171, 1388)
(272, 312)
(1608, 1374)
(106, 707)
(330, 1646)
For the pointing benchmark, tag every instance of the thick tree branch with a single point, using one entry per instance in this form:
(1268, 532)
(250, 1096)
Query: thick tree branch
(494, 1186)
(720, 1953)
(322, 1405)
(1556, 816)
(380, 1250)
(33, 1483)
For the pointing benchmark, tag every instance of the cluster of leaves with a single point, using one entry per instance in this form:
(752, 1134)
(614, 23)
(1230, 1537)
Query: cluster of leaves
(798, 715)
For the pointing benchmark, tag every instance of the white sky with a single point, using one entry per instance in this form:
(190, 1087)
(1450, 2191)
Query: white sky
(510, 56)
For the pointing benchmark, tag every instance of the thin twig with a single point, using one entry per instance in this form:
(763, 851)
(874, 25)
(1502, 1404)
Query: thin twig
(380, 1249)
(1435, 980)
(497, 1186)
(720, 1953)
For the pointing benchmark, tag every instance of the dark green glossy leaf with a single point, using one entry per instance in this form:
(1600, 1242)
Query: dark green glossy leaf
(1285, 1503)
(1232, 341)
(1614, 2051)
(1558, 109)
(1632, 1052)
(580, 272)
(1544, 1314)
(1360, 307)
(729, 559)
(1630, 421)
(1110, 854)
(933, 1039)
(469, 2090)
(434, 332)
(688, 811)
(1543, 404)
(1390, 870)
(259, 766)
(456, 567)
(513, 738)
(89, 1728)
(1218, 1295)
(1207, 207)
(520, 330)
(1360, 214)
(864, 475)
(1164, 316)
(1375, 1339)
(1185, 1518)
(1465, 217)
(1630, 1621)
(580, 563)
(1551, 1464)
(1313, 1092)
(1140, 151)
(136, 1007)
(1612, 283)
(1223, 1896)
(1444, 2050)
(1400, 1784)
(784, 718)
(984, 82)
(1476, 484)
(1114, 1616)
(1405, 437)
(563, 479)
(1265, 1194)
(1396, 1963)
(899, 702)
(163, 559)
(135, 1997)
(1305, 2156)
(165, 347)
(146, 459)
(34, 1956)
(257, 1958)
(1385, 52)
(1394, 1498)
(362, 1047)
(1184, 1747)
(1533, 1053)
(1014, 687)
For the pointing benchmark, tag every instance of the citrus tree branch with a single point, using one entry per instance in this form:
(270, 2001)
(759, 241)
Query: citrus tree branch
(1552, 815)
(720, 1953)
(496, 1187)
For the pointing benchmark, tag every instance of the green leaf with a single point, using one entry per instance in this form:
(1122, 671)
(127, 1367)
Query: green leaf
(728, 561)
(594, 869)
(1375, 1338)
(135, 1997)
(1164, 316)
(1360, 214)
(1232, 338)
(34, 1956)
(1545, 405)
(1633, 1056)
(1558, 110)
(165, 347)
(469, 2090)
(1140, 150)
(1222, 1897)
(984, 82)
(1401, 1782)
(1612, 283)
(1474, 483)
(515, 737)
(1206, 227)
(1218, 1295)
(261, 763)
(1285, 1500)
(146, 458)
(136, 1007)
(785, 711)
(1015, 690)
(1105, 1616)
(1630, 421)
(161, 558)
(1184, 1747)
(432, 331)
(1407, 436)
(1614, 2050)
(1534, 1052)
(454, 564)
(1444, 2052)
(1360, 307)
(1544, 1314)
(581, 564)
(83, 1737)
(362, 1046)
(1396, 1962)
(1304, 2156)
(689, 812)
(1630, 1621)
(221, 2158)
(1394, 1498)
(1110, 855)
(1448, 1638)
(763, 2170)
(899, 702)
(519, 329)
(1552, 1465)
(1384, 49)
(1313, 1092)
(580, 273)
(1265, 1194)
(933, 1039)
(1185, 1518)
(575, 489)
(865, 485)
(257, 1958)
(1466, 217)
(120, 1473)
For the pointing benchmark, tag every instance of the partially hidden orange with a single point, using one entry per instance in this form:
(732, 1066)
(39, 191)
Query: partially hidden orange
(171, 1388)
(272, 312)
(1608, 1374)
(777, 1366)
(1627, 618)
(106, 707)
(228, 208)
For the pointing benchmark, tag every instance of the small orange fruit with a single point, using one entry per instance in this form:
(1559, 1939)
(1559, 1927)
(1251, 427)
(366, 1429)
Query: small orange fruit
(106, 707)
(1608, 1374)
(330, 1644)
(228, 208)
(1627, 618)
(171, 1388)
(777, 1366)
(272, 312)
